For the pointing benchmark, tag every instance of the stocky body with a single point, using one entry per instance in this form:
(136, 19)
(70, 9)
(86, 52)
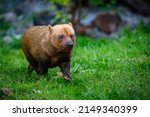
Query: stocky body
(49, 46)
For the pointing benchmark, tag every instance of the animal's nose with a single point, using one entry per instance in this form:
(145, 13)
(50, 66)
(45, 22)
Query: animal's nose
(69, 43)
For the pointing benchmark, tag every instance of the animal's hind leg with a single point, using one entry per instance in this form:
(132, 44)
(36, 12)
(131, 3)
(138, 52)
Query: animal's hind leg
(30, 68)
(33, 64)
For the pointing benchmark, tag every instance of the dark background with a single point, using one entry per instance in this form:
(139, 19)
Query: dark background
(95, 18)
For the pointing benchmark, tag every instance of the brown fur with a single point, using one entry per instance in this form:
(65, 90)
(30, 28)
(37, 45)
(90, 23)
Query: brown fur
(49, 46)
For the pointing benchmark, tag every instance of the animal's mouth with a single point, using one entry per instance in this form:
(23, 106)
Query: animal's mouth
(67, 48)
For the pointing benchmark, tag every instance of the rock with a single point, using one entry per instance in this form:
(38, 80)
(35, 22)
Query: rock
(10, 16)
(131, 19)
(128, 18)
(21, 15)
(41, 11)
(107, 22)
(5, 92)
(139, 6)
(90, 16)
(29, 7)
(99, 24)
(10, 36)
(83, 29)
(8, 40)
(96, 34)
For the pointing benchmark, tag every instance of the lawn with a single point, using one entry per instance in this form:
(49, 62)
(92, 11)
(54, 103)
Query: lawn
(101, 69)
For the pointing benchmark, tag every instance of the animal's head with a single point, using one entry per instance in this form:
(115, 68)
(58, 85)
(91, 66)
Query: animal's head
(62, 36)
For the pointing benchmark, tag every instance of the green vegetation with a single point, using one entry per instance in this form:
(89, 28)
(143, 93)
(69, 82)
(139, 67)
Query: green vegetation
(101, 2)
(101, 69)
(60, 2)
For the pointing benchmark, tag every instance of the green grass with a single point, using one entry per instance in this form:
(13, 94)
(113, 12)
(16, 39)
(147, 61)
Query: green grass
(101, 69)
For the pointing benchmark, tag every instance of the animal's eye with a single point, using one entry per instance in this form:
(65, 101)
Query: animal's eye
(60, 36)
(71, 36)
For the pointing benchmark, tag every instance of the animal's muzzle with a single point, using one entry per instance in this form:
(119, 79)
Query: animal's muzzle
(69, 44)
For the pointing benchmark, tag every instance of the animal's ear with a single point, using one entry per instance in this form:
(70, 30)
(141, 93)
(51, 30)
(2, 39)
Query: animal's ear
(70, 23)
(50, 28)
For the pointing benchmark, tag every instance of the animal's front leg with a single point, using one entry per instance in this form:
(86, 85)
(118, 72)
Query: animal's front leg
(64, 70)
(43, 68)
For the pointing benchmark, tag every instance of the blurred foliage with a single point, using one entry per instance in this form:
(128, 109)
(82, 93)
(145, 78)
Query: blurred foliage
(15, 44)
(61, 17)
(60, 2)
(4, 25)
(101, 2)
(90, 2)
(96, 2)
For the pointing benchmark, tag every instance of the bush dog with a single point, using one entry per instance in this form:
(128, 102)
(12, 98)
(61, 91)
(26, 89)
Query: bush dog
(49, 46)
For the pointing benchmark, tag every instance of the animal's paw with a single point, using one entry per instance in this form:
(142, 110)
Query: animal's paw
(67, 78)
(30, 69)
(60, 73)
